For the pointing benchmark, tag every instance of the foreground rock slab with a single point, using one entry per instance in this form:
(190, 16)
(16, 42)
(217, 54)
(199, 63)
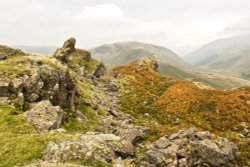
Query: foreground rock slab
(190, 148)
(92, 145)
(44, 116)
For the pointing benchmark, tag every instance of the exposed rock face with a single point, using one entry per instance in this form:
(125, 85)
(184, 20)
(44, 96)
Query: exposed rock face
(44, 116)
(147, 63)
(92, 145)
(79, 60)
(5, 52)
(68, 51)
(47, 84)
(190, 148)
(64, 52)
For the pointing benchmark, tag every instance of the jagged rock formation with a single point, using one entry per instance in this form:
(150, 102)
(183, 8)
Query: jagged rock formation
(64, 53)
(190, 148)
(77, 59)
(46, 83)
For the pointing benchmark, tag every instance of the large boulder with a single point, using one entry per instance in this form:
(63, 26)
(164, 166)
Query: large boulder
(92, 145)
(44, 116)
(190, 148)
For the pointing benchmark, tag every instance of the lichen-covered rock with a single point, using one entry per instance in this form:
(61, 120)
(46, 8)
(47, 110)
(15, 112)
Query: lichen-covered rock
(44, 116)
(47, 83)
(79, 60)
(190, 148)
(95, 146)
(64, 52)
(146, 63)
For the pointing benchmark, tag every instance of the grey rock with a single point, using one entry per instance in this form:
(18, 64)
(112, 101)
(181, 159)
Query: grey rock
(95, 146)
(191, 148)
(162, 143)
(99, 71)
(44, 116)
(63, 53)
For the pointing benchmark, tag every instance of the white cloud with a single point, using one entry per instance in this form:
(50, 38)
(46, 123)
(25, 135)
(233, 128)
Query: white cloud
(101, 12)
(238, 27)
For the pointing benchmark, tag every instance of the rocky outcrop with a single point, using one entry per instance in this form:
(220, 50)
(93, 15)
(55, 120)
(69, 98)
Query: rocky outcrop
(79, 60)
(190, 148)
(64, 53)
(6, 52)
(120, 125)
(69, 52)
(44, 116)
(100, 69)
(92, 145)
(47, 83)
(146, 63)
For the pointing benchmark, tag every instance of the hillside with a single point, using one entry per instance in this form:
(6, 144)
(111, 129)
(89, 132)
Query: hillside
(170, 104)
(169, 63)
(230, 55)
(67, 110)
(125, 52)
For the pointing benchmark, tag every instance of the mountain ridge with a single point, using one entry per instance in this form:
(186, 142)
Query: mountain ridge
(230, 55)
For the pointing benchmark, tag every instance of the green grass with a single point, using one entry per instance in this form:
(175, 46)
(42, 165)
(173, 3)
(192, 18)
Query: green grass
(20, 143)
(79, 58)
(12, 71)
(73, 125)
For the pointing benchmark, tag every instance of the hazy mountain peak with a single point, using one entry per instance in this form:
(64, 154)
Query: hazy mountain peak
(229, 54)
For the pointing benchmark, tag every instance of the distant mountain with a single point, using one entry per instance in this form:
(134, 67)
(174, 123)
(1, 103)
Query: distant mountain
(229, 55)
(170, 64)
(46, 50)
(123, 53)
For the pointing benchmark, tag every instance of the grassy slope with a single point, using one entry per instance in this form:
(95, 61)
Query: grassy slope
(20, 142)
(177, 105)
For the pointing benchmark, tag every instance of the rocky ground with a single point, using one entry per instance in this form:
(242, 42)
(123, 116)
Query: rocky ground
(58, 88)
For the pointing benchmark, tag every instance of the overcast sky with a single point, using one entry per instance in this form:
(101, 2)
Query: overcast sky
(180, 25)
